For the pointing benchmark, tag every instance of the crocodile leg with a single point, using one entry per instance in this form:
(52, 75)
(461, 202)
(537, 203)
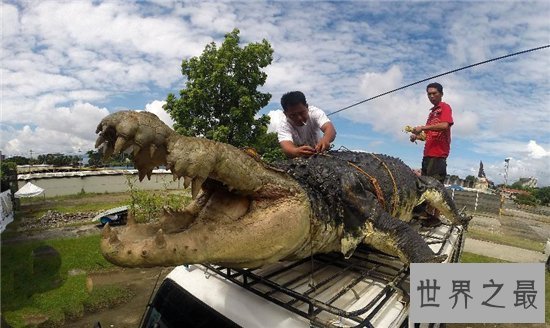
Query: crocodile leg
(380, 230)
(435, 194)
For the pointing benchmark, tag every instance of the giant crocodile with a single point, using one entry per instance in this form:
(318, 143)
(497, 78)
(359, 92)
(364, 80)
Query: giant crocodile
(246, 213)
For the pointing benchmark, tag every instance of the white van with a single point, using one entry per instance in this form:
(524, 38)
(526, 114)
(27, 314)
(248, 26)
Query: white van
(370, 289)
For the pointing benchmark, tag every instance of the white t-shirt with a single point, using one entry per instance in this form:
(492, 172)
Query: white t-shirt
(308, 134)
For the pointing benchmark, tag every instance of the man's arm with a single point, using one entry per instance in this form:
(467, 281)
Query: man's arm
(329, 134)
(292, 151)
(436, 127)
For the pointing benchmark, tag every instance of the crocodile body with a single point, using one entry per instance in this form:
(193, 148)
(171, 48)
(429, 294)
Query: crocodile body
(246, 213)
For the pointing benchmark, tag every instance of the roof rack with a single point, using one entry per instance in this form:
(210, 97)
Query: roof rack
(331, 291)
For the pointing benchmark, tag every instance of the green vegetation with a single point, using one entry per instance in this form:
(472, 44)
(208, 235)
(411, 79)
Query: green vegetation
(505, 239)
(542, 195)
(475, 258)
(8, 176)
(95, 158)
(526, 199)
(220, 100)
(148, 205)
(105, 297)
(82, 202)
(37, 286)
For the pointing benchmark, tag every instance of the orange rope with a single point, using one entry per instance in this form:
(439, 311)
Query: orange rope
(395, 198)
(377, 189)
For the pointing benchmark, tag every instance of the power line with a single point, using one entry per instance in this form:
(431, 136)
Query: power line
(442, 74)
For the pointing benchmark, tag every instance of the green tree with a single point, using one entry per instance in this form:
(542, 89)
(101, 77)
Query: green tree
(19, 160)
(221, 100)
(9, 176)
(95, 158)
(470, 181)
(542, 195)
(526, 199)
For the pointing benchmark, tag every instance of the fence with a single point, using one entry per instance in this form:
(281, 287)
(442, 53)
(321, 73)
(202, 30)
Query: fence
(476, 201)
(98, 182)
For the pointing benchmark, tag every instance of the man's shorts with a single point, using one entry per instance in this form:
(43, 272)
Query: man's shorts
(435, 167)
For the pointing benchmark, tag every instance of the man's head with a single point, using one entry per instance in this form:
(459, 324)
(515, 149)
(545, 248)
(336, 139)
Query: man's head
(295, 107)
(435, 93)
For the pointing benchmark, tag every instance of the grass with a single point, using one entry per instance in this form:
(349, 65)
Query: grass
(105, 297)
(505, 239)
(85, 202)
(474, 258)
(37, 286)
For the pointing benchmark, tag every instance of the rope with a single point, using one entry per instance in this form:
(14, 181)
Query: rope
(377, 189)
(395, 197)
(442, 74)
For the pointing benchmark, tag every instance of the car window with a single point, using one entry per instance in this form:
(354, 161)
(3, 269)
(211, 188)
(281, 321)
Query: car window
(173, 306)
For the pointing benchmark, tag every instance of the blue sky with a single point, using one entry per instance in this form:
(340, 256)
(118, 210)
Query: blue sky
(65, 65)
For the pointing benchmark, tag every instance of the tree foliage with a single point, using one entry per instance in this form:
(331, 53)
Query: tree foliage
(9, 175)
(220, 100)
(19, 160)
(95, 158)
(58, 159)
(542, 195)
(470, 181)
(526, 199)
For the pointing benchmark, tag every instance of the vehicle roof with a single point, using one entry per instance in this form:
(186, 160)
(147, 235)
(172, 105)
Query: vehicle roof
(350, 289)
(115, 210)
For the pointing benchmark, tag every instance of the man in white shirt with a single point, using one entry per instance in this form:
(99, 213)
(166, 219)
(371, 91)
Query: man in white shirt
(299, 131)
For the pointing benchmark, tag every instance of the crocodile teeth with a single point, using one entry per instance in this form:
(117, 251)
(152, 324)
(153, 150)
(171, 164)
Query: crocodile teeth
(120, 144)
(137, 148)
(107, 151)
(196, 186)
(99, 141)
(186, 182)
(160, 240)
(113, 238)
(141, 174)
(106, 232)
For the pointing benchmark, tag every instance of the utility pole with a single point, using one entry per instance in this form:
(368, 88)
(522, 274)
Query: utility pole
(30, 162)
(506, 166)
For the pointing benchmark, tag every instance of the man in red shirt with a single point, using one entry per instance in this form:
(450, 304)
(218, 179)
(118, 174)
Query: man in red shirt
(438, 134)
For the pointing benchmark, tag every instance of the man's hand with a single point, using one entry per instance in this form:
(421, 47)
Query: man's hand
(322, 145)
(304, 151)
(417, 129)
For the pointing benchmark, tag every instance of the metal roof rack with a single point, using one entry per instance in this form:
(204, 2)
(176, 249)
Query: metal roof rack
(331, 291)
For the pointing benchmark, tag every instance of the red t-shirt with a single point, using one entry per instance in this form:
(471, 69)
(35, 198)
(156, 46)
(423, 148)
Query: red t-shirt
(438, 143)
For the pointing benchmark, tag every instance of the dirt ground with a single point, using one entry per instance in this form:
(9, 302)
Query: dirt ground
(142, 282)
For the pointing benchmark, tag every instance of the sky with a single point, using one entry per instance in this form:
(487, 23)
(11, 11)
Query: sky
(67, 64)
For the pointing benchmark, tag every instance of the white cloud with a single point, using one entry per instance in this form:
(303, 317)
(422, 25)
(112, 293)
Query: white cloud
(63, 129)
(156, 108)
(275, 117)
(65, 59)
(536, 151)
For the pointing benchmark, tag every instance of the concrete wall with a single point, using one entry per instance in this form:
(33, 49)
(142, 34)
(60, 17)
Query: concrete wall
(61, 186)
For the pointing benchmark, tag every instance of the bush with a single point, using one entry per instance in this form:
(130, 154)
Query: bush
(526, 199)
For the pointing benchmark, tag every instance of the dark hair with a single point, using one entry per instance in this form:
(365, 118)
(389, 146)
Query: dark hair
(293, 98)
(436, 85)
